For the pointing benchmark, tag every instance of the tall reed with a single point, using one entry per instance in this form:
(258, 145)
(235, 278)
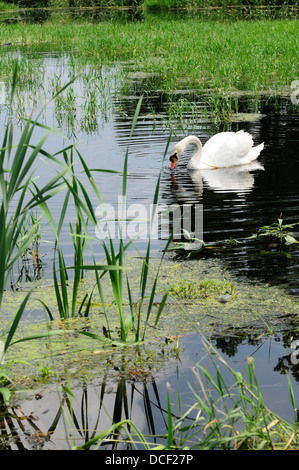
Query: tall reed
(115, 259)
(16, 182)
(19, 195)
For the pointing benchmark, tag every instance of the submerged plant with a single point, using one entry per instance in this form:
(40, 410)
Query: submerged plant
(30, 264)
(46, 371)
(281, 232)
(194, 244)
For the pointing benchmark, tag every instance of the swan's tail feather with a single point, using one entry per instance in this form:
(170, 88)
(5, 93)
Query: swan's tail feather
(255, 151)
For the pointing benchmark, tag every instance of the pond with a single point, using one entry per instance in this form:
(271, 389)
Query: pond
(235, 205)
(234, 208)
(40, 416)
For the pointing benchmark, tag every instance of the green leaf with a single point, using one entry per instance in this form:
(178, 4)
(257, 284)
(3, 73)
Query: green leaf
(161, 306)
(289, 239)
(16, 321)
(5, 394)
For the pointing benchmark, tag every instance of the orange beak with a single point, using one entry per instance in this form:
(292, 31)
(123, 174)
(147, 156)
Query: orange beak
(173, 160)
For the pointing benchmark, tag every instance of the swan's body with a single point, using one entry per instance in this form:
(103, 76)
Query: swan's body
(223, 150)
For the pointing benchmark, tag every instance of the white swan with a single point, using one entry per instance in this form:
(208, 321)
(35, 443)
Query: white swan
(223, 150)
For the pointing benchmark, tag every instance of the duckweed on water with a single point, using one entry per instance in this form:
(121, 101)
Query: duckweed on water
(193, 290)
(251, 308)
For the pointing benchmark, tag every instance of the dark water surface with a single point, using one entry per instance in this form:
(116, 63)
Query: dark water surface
(234, 207)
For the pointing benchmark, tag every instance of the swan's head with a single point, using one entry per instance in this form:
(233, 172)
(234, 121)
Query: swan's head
(173, 158)
(175, 155)
(179, 148)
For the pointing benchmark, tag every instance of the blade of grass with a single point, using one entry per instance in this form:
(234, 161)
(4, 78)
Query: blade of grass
(16, 321)
(169, 424)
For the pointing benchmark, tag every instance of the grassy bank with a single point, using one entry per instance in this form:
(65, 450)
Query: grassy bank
(169, 4)
(143, 3)
(240, 55)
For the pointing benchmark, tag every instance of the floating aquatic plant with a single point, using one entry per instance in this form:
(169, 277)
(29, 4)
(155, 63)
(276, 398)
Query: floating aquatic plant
(279, 230)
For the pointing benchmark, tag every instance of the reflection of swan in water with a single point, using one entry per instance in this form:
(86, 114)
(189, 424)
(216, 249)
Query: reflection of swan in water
(236, 179)
(187, 190)
(223, 150)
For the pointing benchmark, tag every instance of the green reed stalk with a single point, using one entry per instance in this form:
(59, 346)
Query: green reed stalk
(115, 259)
(116, 277)
(79, 243)
(145, 266)
(16, 182)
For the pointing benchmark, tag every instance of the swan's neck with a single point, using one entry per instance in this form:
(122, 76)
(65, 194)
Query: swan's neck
(193, 140)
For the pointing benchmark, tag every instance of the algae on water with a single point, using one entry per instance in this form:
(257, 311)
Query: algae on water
(195, 303)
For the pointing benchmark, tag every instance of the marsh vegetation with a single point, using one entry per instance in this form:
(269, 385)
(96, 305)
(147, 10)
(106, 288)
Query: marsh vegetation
(68, 77)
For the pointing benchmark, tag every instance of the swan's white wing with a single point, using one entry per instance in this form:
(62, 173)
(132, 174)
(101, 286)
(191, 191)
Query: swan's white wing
(216, 142)
(227, 148)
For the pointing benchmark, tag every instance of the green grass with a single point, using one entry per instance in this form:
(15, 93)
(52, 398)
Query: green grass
(241, 55)
(4, 6)
(194, 4)
(17, 170)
